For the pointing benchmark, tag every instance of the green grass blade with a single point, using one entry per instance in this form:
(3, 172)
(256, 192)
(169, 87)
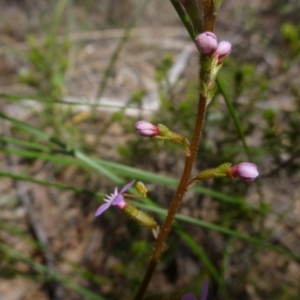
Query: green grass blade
(221, 229)
(234, 117)
(199, 251)
(39, 268)
(101, 166)
(78, 269)
(47, 183)
(76, 153)
(17, 98)
(123, 170)
(93, 163)
(31, 145)
(59, 159)
(25, 127)
(184, 18)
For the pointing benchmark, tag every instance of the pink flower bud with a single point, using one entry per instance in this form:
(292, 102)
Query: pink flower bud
(245, 171)
(207, 43)
(145, 128)
(223, 50)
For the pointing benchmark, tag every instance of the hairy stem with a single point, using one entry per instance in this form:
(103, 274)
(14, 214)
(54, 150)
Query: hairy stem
(204, 75)
(181, 190)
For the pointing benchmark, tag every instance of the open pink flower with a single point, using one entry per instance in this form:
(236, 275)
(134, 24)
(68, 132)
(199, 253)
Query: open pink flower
(115, 198)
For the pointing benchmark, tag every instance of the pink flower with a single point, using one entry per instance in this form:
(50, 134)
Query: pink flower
(223, 50)
(115, 198)
(207, 43)
(145, 128)
(245, 171)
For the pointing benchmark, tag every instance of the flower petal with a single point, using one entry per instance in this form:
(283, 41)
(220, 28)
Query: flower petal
(119, 198)
(102, 208)
(127, 186)
(189, 296)
(204, 290)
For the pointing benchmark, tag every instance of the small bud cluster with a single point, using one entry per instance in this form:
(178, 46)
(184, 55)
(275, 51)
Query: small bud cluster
(208, 45)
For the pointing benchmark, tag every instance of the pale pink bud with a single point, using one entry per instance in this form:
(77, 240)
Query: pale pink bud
(245, 171)
(223, 50)
(207, 43)
(145, 128)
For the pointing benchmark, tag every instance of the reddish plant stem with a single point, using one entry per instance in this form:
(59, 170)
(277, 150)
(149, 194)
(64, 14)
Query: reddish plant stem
(204, 76)
(209, 15)
(181, 190)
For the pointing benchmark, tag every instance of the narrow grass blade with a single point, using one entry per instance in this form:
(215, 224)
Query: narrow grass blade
(47, 183)
(17, 98)
(234, 117)
(199, 251)
(59, 159)
(184, 18)
(25, 127)
(71, 151)
(123, 170)
(221, 229)
(39, 268)
(19, 142)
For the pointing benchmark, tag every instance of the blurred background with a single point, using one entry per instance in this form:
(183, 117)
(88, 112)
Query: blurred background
(75, 76)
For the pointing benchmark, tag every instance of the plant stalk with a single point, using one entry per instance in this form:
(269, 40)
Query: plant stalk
(181, 190)
(204, 75)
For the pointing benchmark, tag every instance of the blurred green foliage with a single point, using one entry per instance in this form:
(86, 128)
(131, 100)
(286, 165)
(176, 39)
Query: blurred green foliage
(291, 32)
(49, 64)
